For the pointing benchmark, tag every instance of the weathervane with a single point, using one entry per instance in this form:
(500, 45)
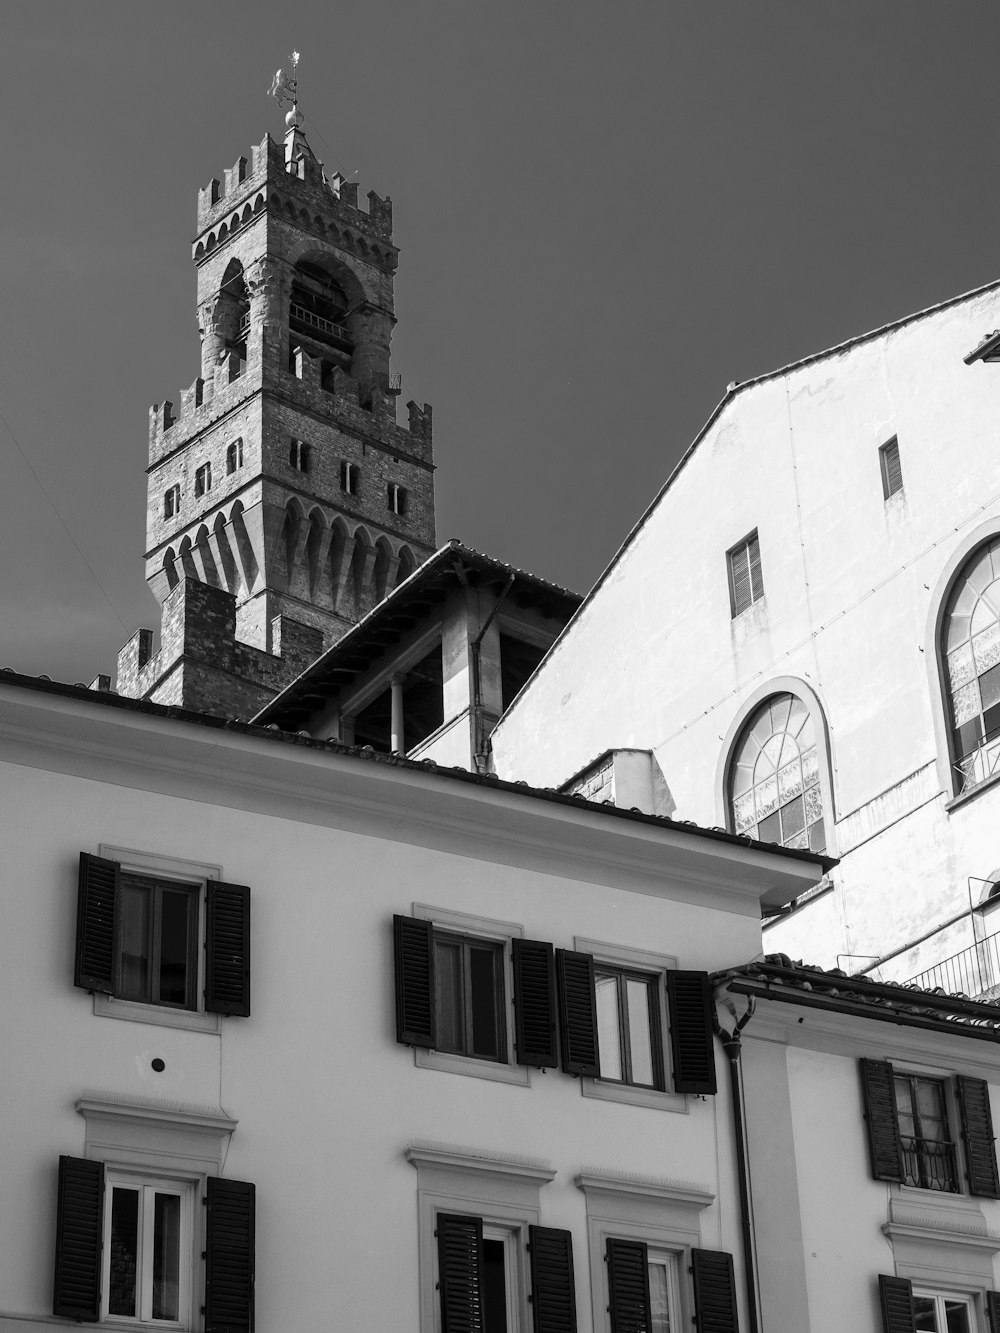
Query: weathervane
(283, 86)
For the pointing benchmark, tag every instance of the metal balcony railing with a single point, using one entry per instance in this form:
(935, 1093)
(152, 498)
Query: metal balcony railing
(929, 1163)
(327, 326)
(972, 972)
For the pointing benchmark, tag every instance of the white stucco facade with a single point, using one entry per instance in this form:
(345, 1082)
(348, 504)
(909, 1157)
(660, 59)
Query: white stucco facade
(344, 1132)
(853, 587)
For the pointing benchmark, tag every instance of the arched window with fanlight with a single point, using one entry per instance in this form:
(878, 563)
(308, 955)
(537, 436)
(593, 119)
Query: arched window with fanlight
(970, 648)
(775, 791)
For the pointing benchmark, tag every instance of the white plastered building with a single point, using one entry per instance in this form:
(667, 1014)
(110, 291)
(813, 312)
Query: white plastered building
(803, 631)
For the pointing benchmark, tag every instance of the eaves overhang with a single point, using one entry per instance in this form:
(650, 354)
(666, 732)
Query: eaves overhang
(810, 987)
(321, 781)
(452, 566)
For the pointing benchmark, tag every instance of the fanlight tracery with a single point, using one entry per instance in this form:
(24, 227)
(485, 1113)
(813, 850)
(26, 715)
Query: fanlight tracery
(970, 645)
(774, 782)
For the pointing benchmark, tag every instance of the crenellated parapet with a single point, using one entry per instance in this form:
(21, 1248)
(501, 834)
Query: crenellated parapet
(201, 403)
(329, 209)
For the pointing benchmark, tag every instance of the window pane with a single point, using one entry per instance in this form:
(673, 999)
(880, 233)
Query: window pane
(494, 1288)
(956, 1316)
(136, 909)
(609, 1040)
(639, 995)
(483, 983)
(793, 819)
(166, 1256)
(448, 989)
(659, 1298)
(175, 908)
(124, 1252)
(926, 1321)
(903, 1106)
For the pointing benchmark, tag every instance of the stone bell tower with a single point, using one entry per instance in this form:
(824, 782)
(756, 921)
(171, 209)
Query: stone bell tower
(283, 500)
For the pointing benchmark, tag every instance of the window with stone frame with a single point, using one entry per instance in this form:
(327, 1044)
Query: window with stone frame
(203, 479)
(970, 663)
(171, 501)
(775, 792)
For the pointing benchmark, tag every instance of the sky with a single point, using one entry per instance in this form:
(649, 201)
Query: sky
(606, 212)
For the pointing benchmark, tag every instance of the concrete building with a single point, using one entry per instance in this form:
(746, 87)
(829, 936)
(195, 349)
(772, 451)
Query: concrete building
(334, 1117)
(803, 631)
(282, 485)
(319, 1036)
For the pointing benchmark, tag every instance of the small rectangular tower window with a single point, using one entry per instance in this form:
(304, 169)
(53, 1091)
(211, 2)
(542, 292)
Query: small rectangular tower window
(234, 456)
(350, 477)
(397, 499)
(171, 502)
(746, 585)
(298, 455)
(203, 479)
(892, 473)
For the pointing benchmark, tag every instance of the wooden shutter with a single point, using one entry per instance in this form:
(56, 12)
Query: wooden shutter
(739, 579)
(977, 1131)
(227, 949)
(993, 1310)
(577, 1012)
(896, 1299)
(97, 899)
(628, 1286)
(892, 472)
(535, 1003)
(689, 1001)
(414, 961)
(460, 1272)
(229, 1256)
(79, 1221)
(553, 1288)
(753, 559)
(714, 1292)
(884, 1147)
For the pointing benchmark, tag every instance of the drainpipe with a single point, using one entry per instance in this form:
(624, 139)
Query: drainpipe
(478, 738)
(732, 1045)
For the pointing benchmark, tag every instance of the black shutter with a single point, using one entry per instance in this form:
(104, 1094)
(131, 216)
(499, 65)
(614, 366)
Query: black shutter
(229, 1256)
(628, 1286)
(95, 923)
(414, 958)
(577, 1012)
(227, 949)
(460, 1272)
(689, 999)
(714, 1292)
(535, 1003)
(553, 1289)
(896, 1299)
(884, 1146)
(79, 1221)
(993, 1310)
(977, 1131)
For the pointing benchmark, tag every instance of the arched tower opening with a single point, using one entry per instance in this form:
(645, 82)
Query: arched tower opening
(319, 314)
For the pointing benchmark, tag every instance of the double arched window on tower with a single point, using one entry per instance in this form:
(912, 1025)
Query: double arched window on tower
(774, 784)
(970, 661)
